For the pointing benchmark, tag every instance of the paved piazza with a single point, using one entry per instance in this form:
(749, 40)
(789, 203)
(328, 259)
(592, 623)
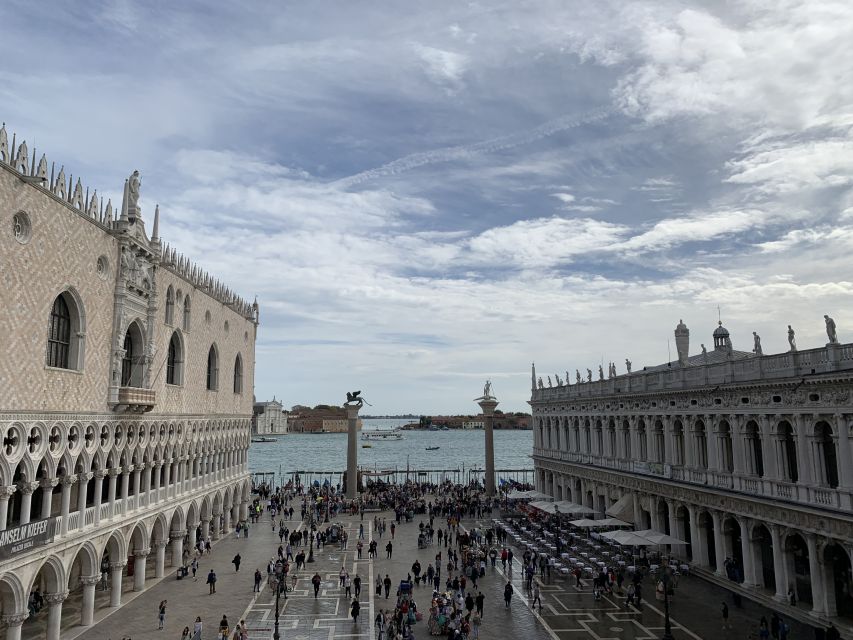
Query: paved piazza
(567, 614)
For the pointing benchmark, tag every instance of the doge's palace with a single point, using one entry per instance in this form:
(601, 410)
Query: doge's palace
(743, 456)
(126, 379)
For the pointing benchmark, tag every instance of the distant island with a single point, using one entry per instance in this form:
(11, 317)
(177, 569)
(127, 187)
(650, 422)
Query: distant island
(519, 421)
(404, 416)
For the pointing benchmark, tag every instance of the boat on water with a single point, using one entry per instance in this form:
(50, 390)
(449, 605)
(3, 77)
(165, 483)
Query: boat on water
(367, 446)
(432, 448)
(264, 439)
(381, 436)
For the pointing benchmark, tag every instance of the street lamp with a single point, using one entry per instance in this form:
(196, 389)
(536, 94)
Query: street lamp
(280, 586)
(667, 629)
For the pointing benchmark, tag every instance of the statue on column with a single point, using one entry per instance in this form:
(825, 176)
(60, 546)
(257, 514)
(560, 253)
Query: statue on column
(568, 378)
(541, 386)
(791, 339)
(830, 329)
(133, 184)
(757, 344)
(600, 372)
(589, 375)
(628, 365)
(549, 382)
(487, 389)
(578, 376)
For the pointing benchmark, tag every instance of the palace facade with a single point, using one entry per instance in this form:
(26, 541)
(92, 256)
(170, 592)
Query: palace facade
(744, 456)
(126, 380)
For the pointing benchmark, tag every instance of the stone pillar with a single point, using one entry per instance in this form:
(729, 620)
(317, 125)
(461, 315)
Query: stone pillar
(116, 571)
(139, 568)
(13, 624)
(352, 449)
(696, 551)
(111, 490)
(216, 525)
(768, 451)
(845, 457)
(816, 574)
(167, 481)
(99, 490)
(47, 486)
(177, 538)
(487, 405)
(244, 510)
(804, 455)
(779, 570)
(719, 549)
(146, 484)
(159, 558)
(156, 466)
(639, 524)
(125, 486)
(26, 489)
(87, 612)
(227, 526)
(205, 529)
(738, 437)
(67, 481)
(668, 440)
(54, 613)
(749, 579)
(191, 530)
(82, 488)
(5, 493)
(712, 436)
(677, 549)
(137, 484)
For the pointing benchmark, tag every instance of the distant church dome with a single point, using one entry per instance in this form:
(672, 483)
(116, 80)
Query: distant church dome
(722, 342)
(721, 331)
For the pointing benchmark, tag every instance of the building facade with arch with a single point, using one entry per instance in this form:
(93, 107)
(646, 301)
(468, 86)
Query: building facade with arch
(744, 456)
(126, 380)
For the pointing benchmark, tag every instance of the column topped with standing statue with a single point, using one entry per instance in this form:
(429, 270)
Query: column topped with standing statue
(488, 402)
(352, 405)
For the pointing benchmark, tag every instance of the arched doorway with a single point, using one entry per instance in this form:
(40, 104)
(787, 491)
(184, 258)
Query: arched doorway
(733, 546)
(706, 537)
(682, 515)
(827, 458)
(797, 557)
(132, 362)
(839, 581)
(762, 554)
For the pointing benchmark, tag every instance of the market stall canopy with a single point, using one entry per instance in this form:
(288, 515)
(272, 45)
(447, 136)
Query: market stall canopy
(657, 537)
(570, 508)
(623, 508)
(627, 538)
(528, 495)
(596, 524)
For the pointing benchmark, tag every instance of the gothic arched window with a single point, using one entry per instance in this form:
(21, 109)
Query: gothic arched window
(238, 374)
(212, 369)
(175, 361)
(59, 334)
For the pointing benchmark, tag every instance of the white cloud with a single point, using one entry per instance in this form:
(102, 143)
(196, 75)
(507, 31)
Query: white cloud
(696, 228)
(445, 68)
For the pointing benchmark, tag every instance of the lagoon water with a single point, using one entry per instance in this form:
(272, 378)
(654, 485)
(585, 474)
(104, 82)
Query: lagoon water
(327, 451)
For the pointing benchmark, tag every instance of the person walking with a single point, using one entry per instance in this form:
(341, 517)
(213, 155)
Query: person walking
(724, 613)
(161, 614)
(224, 628)
(185, 635)
(507, 593)
(536, 596)
(356, 582)
(198, 627)
(355, 607)
(316, 581)
(378, 586)
(479, 601)
(236, 562)
(387, 585)
(258, 578)
(476, 619)
(629, 595)
(347, 587)
(211, 581)
(389, 548)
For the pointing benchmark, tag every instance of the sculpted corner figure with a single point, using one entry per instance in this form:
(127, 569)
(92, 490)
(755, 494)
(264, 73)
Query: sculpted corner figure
(830, 329)
(589, 375)
(791, 340)
(578, 376)
(541, 386)
(133, 190)
(628, 365)
(600, 372)
(549, 382)
(568, 377)
(757, 342)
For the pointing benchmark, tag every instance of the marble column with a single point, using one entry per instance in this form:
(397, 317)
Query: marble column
(146, 483)
(125, 486)
(698, 556)
(111, 490)
(159, 558)
(177, 538)
(779, 570)
(54, 613)
(719, 549)
(205, 529)
(116, 573)
(191, 531)
(5, 493)
(82, 488)
(488, 403)
(352, 449)
(216, 525)
(227, 526)
(87, 612)
(137, 484)
(67, 482)
(816, 575)
(244, 510)
(13, 624)
(156, 466)
(845, 457)
(748, 555)
(804, 456)
(26, 490)
(47, 486)
(140, 556)
(99, 490)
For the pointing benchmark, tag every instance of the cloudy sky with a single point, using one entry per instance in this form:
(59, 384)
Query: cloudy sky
(424, 195)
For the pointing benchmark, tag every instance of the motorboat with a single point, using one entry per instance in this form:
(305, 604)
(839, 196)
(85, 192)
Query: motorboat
(432, 448)
(381, 436)
(264, 439)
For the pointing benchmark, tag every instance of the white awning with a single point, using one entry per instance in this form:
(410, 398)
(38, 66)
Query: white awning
(657, 537)
(623, 509)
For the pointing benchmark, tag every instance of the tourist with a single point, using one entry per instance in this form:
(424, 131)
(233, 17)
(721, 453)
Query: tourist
(354, 609)
(356, 582)
(507, 593)
(194, 567)
(185, 635)
(389, 548)
(629, 595)
(258, 578)
(197, 628)
(223, 628)
(378, 586)
(161, 614)
(479, 601)
(536, 596)
(347, 587)
(316, 581)
(211, 581)
(387, 584)
(236, 562)
(774, 625)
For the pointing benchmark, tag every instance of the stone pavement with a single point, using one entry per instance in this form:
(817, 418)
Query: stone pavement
(567, 614)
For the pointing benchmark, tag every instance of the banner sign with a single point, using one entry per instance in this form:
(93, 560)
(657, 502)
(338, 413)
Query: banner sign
(24, 537)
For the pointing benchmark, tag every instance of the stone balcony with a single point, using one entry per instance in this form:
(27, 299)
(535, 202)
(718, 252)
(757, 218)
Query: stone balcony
(801, 493)
(132, 399)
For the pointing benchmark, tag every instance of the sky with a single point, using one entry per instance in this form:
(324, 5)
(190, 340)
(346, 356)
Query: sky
(426, 195)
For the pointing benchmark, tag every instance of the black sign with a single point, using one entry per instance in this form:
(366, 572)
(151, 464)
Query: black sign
(24, 537)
